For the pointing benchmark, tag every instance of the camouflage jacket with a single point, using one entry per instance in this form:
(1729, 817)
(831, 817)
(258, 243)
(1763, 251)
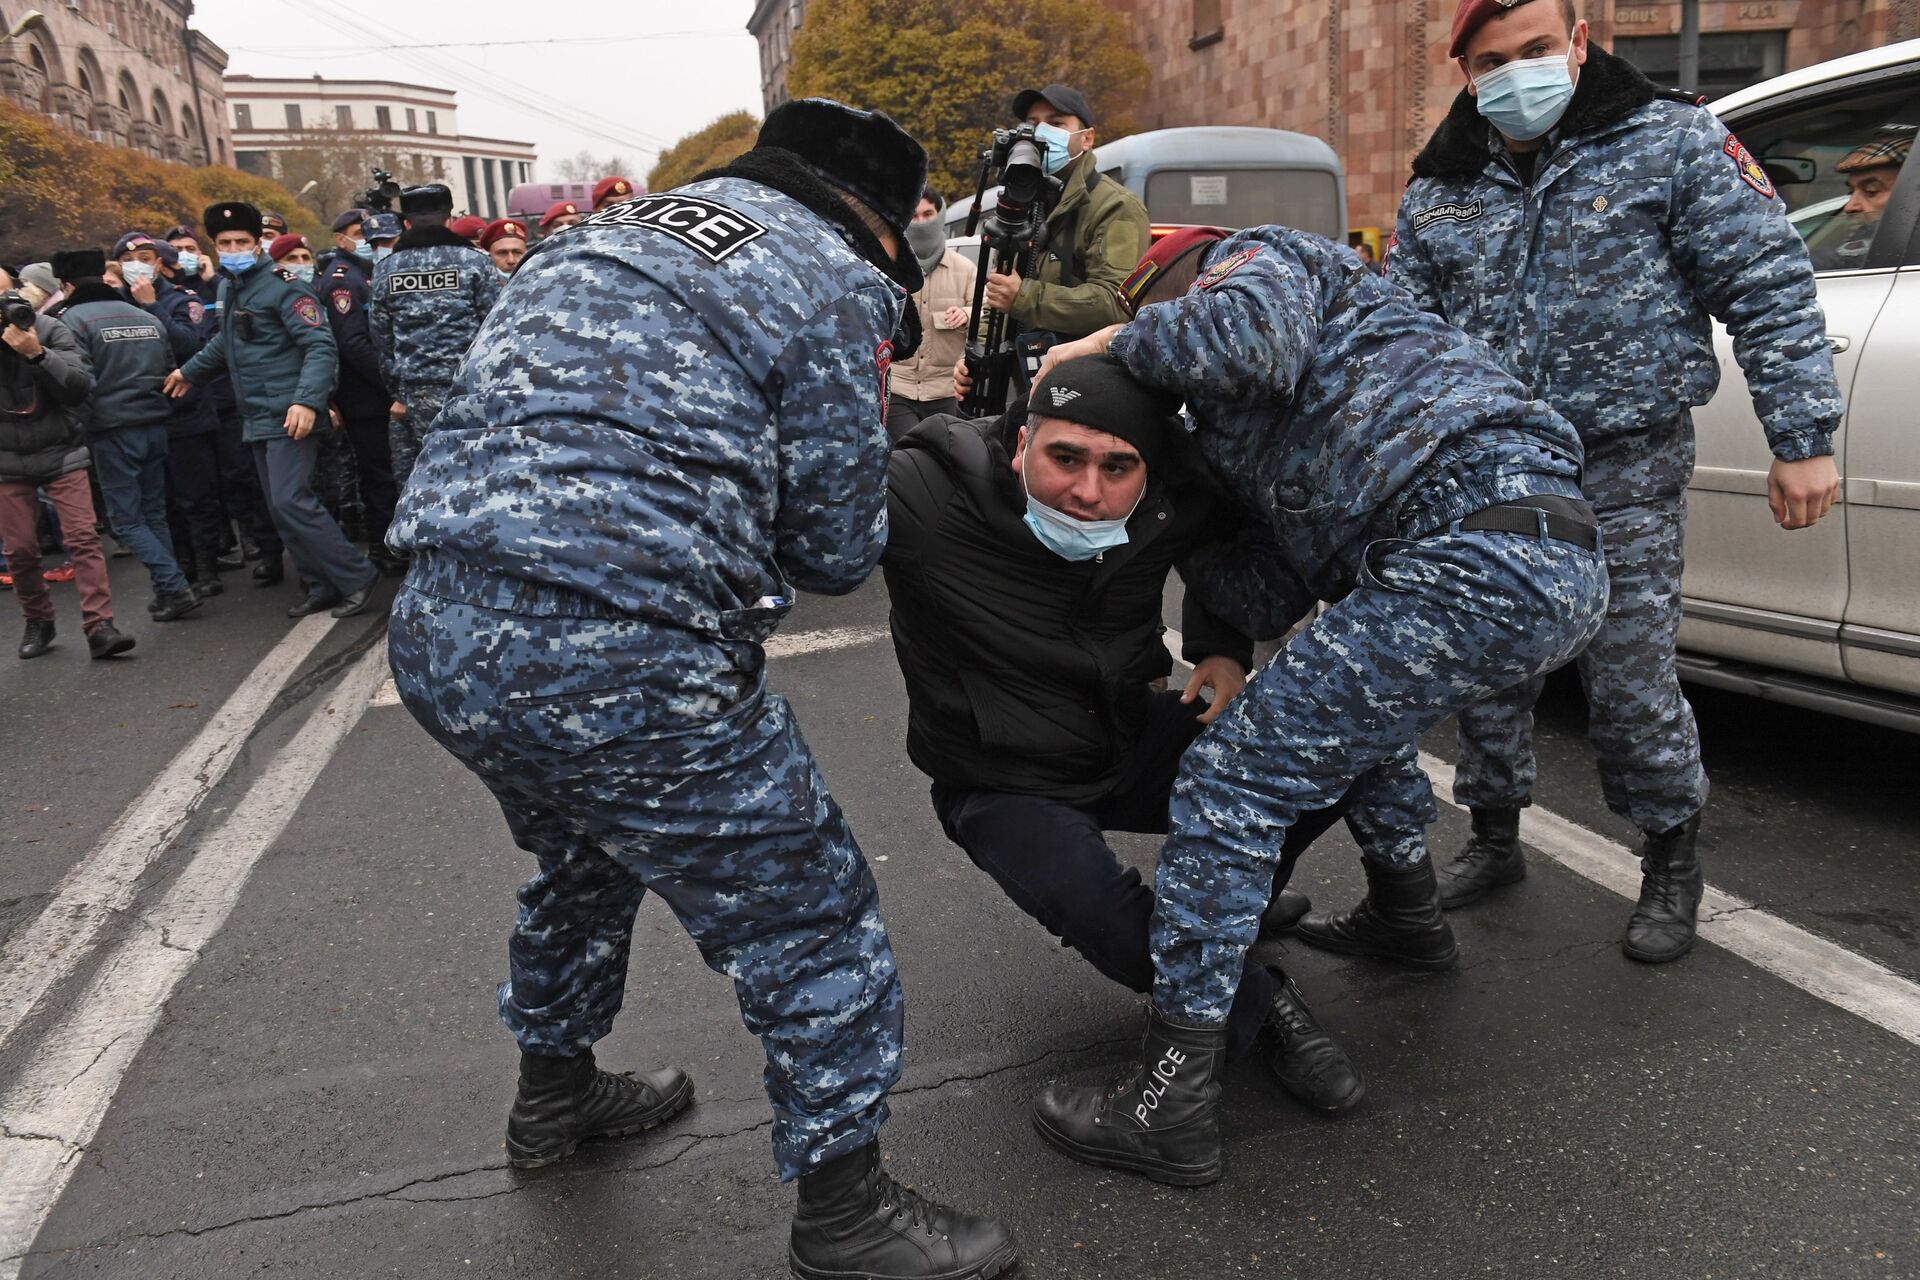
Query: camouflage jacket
(1337, 412)
(429, 296)
(677, 407)
(1596, 281)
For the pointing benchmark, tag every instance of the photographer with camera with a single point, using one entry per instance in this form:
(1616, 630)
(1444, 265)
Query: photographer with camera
(1095, 234)
(44, 385)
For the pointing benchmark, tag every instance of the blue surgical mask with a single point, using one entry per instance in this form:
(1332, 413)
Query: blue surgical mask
(1524, 99)
(360, 249)
(238, 262)
(380, 251)
(301, 271)
(1072, 539)
(1054, 139)
(189, 263)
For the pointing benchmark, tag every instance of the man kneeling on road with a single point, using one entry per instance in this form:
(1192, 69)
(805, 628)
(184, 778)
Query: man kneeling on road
(1026, 574)
(1397, 470)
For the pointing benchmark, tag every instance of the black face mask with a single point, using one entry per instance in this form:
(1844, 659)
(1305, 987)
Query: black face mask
(906, 338)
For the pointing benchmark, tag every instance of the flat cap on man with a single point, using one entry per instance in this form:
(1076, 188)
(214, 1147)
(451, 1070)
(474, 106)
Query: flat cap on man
(1877, 153)
(1062, 97)
(1473, 15)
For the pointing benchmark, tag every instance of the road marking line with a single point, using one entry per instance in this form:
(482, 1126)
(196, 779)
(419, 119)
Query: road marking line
(791, 646)
(54, 1109)
(42, 953)
(1826, 970)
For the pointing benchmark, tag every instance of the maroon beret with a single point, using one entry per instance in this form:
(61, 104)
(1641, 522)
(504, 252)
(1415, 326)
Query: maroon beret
(1471, 16)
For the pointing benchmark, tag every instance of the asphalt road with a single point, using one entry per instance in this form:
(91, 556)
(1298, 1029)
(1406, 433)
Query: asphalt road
(324, 1090)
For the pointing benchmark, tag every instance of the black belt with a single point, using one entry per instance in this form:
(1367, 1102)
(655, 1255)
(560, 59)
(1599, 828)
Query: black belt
(1547, 516)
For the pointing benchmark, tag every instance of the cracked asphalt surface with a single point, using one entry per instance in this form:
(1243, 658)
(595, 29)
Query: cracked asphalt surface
(325, 1093)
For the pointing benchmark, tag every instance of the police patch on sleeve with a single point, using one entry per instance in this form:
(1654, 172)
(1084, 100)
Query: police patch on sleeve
(883, 362)
(1750, 171)
(711, 230)
(308, 309)
(1226, 266)
(342, 301)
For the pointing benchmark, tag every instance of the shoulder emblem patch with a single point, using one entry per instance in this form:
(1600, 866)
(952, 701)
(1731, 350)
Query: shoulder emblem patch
(1750, 171)
(1226, 266)
(711, 230)
(307, 309)
(342, 301)
(883, 362)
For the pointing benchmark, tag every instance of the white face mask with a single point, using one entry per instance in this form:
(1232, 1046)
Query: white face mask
(137, 272)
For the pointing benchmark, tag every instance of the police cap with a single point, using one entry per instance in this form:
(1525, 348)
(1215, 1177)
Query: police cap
(1473, 15)
(1063, 98)
(80, 264)
(468, 228)
(612, 188)
(861, 152)
(431, 197)
(502, 229)
(348, 219)
(382, 226)
(555, 212)
(271, 221)
(233, 216)
(1099, 392)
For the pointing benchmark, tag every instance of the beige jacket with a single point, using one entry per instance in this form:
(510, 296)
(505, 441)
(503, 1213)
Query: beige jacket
(929, 374)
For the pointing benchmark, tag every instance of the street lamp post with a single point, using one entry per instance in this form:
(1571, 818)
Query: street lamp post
(1690, 45)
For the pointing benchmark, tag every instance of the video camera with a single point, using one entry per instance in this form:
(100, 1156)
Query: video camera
(15, 310)
(380, 196)
(1014, 236)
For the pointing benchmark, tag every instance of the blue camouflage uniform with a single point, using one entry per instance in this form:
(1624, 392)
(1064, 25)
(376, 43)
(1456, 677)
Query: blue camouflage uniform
(1360, 430)
(673, 419)
(1594, 282)
(430, 296)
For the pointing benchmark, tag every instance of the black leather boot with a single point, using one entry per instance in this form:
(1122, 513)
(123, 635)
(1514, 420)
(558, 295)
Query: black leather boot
(1490, 858)
(206, 572)
(1285, 911)
(1664, 920)
(566, 1101)
(270, 571)
(1160, 1119)
(176, 606)
(1399, 919)
(854, 1222)
(1310, 1065)
(37, 639)
(104, 641)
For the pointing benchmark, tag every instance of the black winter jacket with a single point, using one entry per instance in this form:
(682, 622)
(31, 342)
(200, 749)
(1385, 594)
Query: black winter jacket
(42, 430)
(128, 353)
(1026, 672)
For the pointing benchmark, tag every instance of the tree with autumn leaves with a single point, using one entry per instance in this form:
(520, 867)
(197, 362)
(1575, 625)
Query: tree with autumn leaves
(947, 69)
(719, 143)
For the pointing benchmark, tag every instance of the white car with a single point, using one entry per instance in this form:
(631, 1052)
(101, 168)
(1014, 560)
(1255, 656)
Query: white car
(1827, 617)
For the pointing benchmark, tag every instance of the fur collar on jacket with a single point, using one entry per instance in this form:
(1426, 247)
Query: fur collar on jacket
(430, 237)
(790, 175)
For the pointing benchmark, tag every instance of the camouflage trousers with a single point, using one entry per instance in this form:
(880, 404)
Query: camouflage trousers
(1642, 728)
(405, 435)
(630, 757)
(1433, 625)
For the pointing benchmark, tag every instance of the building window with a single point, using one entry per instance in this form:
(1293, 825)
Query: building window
(383, 116)
(293, 115)
(343, 116)
(413, 126)
(488, 168)
(1729, 60)
(254, 162)
(242, 115)
(1207, 27)
(472, 170)
(433, 122)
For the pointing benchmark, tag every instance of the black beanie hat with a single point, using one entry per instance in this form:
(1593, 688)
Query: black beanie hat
(233, 216)
(862, 152)
(79, 264)
(1099, 392)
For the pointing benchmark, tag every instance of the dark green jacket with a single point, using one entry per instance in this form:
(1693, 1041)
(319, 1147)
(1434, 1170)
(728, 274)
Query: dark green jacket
(1098, 233)
(289, 359)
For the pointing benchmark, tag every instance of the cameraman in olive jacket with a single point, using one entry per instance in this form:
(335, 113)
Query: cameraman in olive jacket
(1026, 563)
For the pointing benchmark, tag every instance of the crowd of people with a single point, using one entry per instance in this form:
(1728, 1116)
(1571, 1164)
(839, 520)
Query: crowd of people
(223, 397)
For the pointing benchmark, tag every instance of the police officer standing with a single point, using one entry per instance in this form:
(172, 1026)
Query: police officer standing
(1586, 225)
(1095, 234)
(361, 395)
(673, 420)
(429, 298)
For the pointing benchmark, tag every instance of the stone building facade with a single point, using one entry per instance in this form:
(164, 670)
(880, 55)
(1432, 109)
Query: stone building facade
(1372, 76)
(774, 24)
(130, 73)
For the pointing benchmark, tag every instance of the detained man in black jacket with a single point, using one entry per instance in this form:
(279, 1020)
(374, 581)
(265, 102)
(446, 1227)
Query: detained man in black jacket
(1026, 566)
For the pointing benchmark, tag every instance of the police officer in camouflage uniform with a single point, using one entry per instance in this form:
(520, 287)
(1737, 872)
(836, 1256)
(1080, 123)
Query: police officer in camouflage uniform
(429, 297)
(674, 419)
(1394, 468)
(361, 396)
(1586, 225)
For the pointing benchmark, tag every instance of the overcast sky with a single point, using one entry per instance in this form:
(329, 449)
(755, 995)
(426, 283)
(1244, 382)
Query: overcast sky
(627, 78)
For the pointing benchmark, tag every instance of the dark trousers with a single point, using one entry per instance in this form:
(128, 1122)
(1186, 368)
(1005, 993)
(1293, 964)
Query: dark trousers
(1054, 863)
(373, 461)
(326, 561)
(240, 488)
(193, 500)
(903, 415)
(131, 463)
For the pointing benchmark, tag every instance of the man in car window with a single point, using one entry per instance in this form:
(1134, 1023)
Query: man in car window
(1870, 169)
(1587, 225)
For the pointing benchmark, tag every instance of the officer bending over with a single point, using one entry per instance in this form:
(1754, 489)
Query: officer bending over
(1395, 469)
(1026, 568)
(674, 418)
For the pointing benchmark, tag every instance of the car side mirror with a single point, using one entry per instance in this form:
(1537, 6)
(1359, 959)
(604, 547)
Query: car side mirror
(1790, 171)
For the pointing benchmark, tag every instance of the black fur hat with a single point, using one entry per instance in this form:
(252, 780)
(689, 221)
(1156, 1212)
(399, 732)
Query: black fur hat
(79, 264)
(232, 215)
(862, 152)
